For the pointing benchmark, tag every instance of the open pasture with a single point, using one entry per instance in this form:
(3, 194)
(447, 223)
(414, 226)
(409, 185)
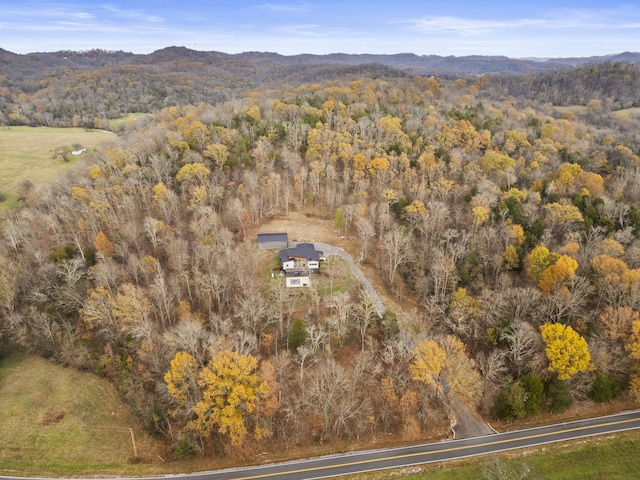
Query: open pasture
(34, 154)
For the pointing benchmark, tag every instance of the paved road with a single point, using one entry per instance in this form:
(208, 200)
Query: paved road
(339, 465)
(358, 462)
(332, 250)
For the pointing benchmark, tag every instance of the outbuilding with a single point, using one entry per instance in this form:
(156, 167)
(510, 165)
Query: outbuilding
(273, 241)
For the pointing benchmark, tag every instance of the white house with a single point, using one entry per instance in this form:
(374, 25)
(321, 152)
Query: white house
(299, 262)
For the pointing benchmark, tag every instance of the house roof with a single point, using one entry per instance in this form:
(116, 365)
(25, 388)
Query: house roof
(302, 250)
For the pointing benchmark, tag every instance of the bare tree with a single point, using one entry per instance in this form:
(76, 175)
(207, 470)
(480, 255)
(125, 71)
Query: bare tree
(396, 244)
(523, 340)
(493, 367)
(365, 314)
(366, 232)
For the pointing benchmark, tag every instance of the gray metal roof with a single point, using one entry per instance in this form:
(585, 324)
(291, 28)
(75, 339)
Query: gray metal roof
(273, 237)
(301, 250)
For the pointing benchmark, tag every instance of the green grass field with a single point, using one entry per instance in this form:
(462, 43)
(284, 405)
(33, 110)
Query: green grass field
(58, 421)
(26, 153)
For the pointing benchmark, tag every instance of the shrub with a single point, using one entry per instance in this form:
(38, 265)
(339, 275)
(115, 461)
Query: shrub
(534, 393)
(510, 403)
(558, 396)
(298, 334)
(183, 449)
(605, 388)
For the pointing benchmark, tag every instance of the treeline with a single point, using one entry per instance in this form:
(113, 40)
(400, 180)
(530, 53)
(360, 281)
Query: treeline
(516, 233)
(607, 86)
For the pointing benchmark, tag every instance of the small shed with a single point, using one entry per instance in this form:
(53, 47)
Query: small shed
(273, 241)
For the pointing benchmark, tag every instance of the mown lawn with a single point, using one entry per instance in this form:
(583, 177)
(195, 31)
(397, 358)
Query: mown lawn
(29, 153)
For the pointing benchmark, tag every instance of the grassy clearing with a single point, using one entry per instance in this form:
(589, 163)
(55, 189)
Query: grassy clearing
(335, 277)
(575, 109)
(26, 153)
(57, 421)
(118, 124)
(627, 113)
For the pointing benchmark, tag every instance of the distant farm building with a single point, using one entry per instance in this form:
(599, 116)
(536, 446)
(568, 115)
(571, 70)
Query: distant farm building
(273, 241)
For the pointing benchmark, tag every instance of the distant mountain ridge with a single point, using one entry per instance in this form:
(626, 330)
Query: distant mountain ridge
(409, 62)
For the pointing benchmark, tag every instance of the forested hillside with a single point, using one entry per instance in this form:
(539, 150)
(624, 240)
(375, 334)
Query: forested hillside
(89, 88)
(507, 233)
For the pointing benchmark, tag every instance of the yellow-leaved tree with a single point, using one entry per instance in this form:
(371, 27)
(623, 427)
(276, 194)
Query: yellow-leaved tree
(632, 346)
(566, 350)
(428, 361)
(459, 373)
(182, 383)
(231, 392)
(193, 173)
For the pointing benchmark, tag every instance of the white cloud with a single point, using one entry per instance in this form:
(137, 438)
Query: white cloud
(132, 14)
(570, 19)
(286, 7)
(305, 30)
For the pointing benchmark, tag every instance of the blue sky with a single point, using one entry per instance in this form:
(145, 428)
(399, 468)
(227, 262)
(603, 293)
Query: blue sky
(539, 28)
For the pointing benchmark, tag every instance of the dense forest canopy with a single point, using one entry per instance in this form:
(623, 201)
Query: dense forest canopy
(506, 231)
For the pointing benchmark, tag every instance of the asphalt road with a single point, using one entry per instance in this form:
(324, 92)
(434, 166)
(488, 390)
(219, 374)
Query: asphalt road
(357, 462)
(332, 250)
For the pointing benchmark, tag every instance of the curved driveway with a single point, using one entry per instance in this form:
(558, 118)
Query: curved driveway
(332, 250)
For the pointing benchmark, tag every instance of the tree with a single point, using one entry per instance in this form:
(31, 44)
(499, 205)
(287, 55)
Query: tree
(218, 152)
(562, 217)
(566, 350)
(366, 232)
(339, 219)
(523, 341)
(193, 172)
(460, 374)
(298, 334)
(103, 244)
(396, 244)
(556, 275)
(539, 260)
(182, 382)
(427, 363)
(616, 322)
(618, 284)
(231, 392)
